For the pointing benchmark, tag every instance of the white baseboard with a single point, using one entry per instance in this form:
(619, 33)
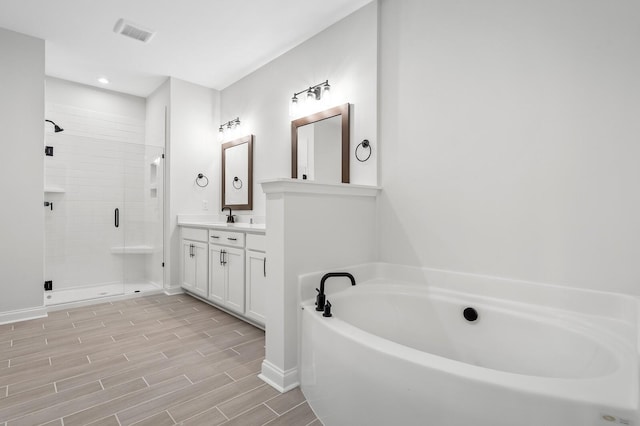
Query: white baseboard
(282, 381)
(22, 315)
(171, 291)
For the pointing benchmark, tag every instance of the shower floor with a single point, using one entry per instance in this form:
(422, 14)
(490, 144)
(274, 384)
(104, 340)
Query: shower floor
(80, 294)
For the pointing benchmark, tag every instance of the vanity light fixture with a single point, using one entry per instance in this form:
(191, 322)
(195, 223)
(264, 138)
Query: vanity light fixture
(229, 129)
(321, 92)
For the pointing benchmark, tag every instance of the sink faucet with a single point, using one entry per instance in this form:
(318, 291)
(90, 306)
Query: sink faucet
(229, 216)
(321, 298)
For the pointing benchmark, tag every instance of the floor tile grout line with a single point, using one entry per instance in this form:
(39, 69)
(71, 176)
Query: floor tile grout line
(55, 381)
(170, 416)
(294, 407)
(267, 405)
(220, 411)
(131, 406)
(248, 409)
(217, 390)
(78, 411)
(62, 402)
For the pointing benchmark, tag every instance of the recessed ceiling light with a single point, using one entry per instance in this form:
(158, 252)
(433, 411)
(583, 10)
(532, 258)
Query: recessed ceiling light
(103, 80)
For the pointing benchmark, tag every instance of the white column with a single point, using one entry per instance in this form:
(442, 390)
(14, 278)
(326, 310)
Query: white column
(310, 227)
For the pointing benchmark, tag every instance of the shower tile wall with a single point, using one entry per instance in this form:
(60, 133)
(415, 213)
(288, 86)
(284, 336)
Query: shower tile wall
(100, 163)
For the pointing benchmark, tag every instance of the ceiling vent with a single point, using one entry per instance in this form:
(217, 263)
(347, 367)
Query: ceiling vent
(135, 31)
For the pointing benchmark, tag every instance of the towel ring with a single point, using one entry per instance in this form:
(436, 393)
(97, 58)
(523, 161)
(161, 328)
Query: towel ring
(365, 144)
(199, 178)
(236, 179)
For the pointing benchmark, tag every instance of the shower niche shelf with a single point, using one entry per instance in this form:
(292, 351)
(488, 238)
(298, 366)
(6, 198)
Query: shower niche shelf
(141, 249)
(53, 189)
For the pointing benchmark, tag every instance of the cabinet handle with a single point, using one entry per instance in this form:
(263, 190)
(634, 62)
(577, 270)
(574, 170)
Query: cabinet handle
(264, 266)
(224, 257)
(191, 250)
(116, 217)
(215, 236)
(232, 239)
(220, 257)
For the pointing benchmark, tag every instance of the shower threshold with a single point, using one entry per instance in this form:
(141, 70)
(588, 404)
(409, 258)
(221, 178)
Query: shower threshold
(100, 293)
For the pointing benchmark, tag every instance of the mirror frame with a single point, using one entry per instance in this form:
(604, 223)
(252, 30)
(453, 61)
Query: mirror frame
(249, 140)
(343, 111)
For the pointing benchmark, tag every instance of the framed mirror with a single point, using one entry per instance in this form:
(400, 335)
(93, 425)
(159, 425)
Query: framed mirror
(320, 146)
(237, 174)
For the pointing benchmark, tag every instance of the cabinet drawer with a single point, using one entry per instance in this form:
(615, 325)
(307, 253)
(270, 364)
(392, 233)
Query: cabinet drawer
(196, 234)
(256, 242)
(234, 239)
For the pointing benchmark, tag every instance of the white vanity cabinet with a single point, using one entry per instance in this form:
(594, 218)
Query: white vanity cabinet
(226, 269)
(256, 280)
(195, 270)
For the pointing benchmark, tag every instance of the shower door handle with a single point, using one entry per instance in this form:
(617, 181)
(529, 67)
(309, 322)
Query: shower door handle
(116, 218)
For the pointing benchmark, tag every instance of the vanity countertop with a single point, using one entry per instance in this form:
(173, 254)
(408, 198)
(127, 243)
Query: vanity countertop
(248, 227)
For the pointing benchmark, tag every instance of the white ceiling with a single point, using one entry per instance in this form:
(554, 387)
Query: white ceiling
(209, 42)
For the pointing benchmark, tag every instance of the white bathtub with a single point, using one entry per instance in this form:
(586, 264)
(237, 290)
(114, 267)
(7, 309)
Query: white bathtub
(403, 354)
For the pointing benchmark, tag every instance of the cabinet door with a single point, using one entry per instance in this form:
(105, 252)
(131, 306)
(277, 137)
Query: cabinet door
(256, 286)
(201, 269)
(217, 274)
(188, 265)
(235, 279)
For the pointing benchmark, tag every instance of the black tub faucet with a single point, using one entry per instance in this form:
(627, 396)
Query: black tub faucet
(229, 216)
(321, 298)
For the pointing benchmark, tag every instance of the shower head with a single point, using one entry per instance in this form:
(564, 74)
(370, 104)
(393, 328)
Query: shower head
(56, 128)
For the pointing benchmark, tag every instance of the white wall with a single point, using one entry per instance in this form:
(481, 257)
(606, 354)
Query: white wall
(193, 148)
(21, 172)
(346, 55)
(157, 113)
(509, 135)
(92, 98)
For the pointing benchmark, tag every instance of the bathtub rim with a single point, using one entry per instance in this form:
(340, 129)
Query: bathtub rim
(617, 309)
(580, 389)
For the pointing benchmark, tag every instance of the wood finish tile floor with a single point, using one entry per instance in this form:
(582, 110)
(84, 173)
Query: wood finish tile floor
(157, 360)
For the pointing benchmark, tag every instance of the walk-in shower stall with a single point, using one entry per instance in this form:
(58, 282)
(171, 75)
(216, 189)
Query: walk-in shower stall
(103, 215)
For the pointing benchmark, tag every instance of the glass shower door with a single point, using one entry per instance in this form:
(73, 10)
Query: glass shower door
(84, 236)
(143, 219)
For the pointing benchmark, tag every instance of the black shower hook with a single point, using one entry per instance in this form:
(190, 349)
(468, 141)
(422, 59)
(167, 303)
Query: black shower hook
(199, 178)
(365, 144)
(237, 179)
